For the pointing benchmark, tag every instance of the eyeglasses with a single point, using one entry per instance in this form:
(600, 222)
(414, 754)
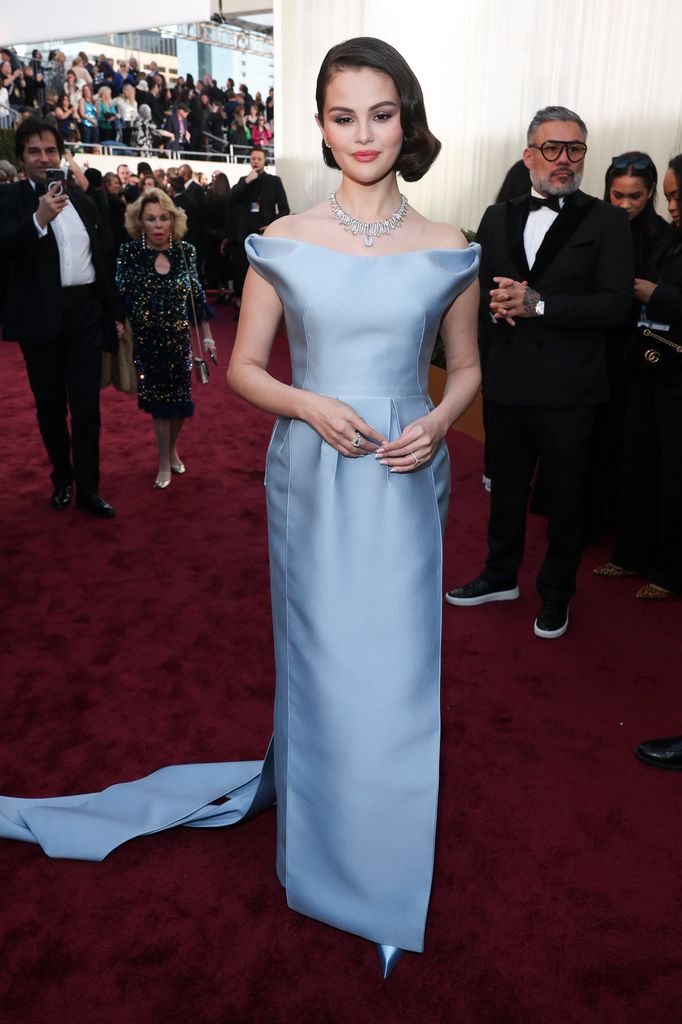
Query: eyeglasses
(621, 163)
(551, 150)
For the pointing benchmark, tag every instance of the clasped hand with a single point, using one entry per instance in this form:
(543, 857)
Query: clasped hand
(341, 426)
(511, 299)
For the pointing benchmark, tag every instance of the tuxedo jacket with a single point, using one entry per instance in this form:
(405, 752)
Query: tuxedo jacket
(584, 271)
(32, 289)
(268, 191)
(195, 217)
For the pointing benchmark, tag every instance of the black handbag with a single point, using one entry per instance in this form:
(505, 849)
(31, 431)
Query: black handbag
(653, 353)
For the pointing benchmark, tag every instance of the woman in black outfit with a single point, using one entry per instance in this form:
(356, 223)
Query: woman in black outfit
(649, 533)
(217, 270)
(630, 184)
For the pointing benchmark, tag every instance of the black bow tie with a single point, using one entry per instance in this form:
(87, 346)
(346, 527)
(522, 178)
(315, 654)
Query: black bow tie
(549, 202)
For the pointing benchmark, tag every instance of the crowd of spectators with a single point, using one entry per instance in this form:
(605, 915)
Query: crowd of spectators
(100, 101)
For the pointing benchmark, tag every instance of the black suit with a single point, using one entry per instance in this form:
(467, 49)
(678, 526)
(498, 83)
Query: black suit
(546, 375)
(193, 202)
(62, 331)
(255, 204)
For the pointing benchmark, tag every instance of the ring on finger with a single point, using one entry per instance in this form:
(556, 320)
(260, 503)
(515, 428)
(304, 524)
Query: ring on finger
(416, 458)
(357, 440)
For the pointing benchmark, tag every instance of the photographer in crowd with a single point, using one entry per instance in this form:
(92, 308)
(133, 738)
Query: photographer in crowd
(58, 304)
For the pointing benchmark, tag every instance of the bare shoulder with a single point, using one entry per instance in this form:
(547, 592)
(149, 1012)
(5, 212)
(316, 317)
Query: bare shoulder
(283, 227)
(438, 236)
(301, 226)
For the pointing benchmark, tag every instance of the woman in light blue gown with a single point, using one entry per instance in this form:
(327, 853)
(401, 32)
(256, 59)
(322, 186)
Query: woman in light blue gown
(357, 487)
(357, 481)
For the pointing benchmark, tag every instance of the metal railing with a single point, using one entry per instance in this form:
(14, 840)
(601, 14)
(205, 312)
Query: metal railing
(229, 154)
(8, 114)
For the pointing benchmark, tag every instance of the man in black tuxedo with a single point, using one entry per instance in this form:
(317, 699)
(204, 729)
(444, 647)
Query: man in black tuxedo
(256, 200)
(557, 271)
(195, 208)
(58, 304)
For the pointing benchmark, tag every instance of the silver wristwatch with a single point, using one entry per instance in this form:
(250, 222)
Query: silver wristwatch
(540, 307)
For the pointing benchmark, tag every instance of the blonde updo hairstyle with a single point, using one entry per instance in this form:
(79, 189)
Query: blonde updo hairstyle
(134, 212)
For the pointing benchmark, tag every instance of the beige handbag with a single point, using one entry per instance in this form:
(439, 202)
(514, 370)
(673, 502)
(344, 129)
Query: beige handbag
(118, 369)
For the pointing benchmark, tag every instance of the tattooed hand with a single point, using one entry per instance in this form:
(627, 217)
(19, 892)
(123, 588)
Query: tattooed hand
(512, 299)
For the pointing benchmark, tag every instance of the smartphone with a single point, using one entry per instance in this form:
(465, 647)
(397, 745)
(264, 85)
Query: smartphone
(55, 179)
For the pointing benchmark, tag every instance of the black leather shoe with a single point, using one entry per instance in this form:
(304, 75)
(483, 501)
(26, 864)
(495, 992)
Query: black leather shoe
(96, 506)
(665, 753)
(480, 591)
(61, 498)
(552, 621)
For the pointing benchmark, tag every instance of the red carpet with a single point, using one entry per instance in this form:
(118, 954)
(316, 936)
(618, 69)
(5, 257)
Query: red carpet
(131, 644)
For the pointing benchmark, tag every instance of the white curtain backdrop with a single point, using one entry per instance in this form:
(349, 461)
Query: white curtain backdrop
(25, 22)
(485, 67)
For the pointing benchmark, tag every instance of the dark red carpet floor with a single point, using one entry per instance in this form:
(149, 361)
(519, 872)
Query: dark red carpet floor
(131, 644)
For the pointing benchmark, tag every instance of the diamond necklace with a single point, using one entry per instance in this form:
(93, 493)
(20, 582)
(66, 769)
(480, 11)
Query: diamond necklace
(369, 230)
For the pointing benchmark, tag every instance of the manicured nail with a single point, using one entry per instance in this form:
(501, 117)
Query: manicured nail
(383, 462)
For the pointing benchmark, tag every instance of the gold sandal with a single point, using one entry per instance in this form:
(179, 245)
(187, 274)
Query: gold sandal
(609, 569)
(650, 592)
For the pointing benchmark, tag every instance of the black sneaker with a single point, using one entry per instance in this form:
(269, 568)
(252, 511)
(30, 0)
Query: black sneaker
(480, 591)
(552, 621)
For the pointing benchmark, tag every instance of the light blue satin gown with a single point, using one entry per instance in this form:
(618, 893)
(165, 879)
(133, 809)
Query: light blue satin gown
(355, 558)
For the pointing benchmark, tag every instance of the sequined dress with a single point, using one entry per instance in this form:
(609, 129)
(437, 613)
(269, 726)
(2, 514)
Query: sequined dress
(159, 309)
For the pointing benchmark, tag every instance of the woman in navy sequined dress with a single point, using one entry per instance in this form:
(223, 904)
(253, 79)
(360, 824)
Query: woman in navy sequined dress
(157, 280)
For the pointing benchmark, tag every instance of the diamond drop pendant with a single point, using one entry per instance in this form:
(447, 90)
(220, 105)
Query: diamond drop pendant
(372, 229)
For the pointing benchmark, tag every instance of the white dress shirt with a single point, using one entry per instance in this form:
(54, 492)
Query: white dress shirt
(75, 257)
(538, 224)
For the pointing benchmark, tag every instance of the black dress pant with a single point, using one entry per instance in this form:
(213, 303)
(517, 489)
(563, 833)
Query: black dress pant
(65, 377)
(517, 437)
(649, 534)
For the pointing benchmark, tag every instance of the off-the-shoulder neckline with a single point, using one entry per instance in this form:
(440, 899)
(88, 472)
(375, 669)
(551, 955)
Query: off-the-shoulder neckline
(359, 255)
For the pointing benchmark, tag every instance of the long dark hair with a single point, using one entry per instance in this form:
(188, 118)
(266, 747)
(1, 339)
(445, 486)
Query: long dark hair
(420, 146)
(637, 165)
(516, 183)
(221, 186)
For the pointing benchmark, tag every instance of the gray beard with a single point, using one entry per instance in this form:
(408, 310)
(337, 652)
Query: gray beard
(546, 187)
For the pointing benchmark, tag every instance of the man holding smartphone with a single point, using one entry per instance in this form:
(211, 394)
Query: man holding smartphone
(59, 305)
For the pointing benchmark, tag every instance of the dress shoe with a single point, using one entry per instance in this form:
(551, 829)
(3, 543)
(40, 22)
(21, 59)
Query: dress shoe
(613, 571)
(162, 481)
(480, 591)
(95, 505)
(552, 621)
(650, 592)
(665, 753)
(178, 467)
(388, 958)
(61, 498)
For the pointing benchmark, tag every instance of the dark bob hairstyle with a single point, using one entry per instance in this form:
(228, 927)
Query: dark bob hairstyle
(420, 147)
(34, 126)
